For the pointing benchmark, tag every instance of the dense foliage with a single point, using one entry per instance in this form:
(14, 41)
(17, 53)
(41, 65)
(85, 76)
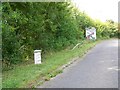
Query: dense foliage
(27, 26)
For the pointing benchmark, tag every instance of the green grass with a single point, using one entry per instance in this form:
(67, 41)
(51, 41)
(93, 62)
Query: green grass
(25, 76)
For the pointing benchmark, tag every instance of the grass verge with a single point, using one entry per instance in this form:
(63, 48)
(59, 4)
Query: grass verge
(28, 76)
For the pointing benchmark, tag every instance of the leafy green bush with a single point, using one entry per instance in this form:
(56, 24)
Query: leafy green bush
(27, 26)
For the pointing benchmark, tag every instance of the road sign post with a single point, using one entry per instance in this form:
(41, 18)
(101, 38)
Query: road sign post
(91, 33)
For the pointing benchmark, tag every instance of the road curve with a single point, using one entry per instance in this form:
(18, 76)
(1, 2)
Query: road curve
(98, 69)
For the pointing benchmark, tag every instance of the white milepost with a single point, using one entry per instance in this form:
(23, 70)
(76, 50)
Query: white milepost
(37, 56)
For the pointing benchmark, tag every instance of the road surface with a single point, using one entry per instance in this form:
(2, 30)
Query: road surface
(98, 69)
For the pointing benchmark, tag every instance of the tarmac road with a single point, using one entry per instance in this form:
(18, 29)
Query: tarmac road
(98, 69)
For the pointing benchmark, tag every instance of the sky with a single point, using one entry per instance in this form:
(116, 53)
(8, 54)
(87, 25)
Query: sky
(99, 9)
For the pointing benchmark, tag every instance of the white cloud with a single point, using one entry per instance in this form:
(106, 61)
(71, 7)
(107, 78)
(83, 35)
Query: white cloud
(99, 9)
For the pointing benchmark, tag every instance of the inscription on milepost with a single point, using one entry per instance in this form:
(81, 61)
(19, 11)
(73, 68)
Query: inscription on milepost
(37, 56)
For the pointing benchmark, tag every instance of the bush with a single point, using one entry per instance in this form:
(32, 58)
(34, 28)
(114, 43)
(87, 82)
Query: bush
(27, 26)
